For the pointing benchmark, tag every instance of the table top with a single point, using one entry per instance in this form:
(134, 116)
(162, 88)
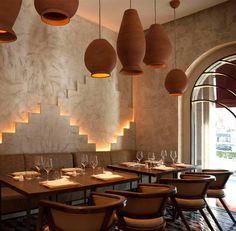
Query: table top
(32, 188)
(149, 171)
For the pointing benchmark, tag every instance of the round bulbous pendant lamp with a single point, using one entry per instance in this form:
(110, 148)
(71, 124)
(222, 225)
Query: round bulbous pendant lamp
(176, 82)
(56, 12)
(158, 47)
(131, 43)
(100, 58)
(9, 10)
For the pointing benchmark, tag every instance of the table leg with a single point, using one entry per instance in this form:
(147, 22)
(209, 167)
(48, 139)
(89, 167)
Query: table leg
(0, 204)
(150, 179)
(28, 214)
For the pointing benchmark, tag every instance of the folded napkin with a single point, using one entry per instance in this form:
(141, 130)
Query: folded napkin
(182, 165)
(105, 176)
(25, 173)
(131, 164)
(59, 183)
(71, 169)
(163, 168)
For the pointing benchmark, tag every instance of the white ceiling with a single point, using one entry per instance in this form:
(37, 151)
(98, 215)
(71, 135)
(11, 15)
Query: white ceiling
(112, 10)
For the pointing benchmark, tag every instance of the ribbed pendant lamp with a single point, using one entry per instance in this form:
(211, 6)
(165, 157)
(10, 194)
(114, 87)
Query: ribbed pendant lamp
(56, 12)
(9, 10)
(176, 79)
(100, 56)
(158, 46)
(131, 43)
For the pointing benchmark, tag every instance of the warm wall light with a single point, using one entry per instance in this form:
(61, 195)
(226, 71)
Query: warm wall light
(56, 12)
(131, 43)
(100, 56)
(176, 79)
(158, 46)
(9, 10)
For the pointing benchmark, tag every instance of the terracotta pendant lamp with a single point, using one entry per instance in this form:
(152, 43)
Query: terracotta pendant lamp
(131, 43)
(100, 56)
(158, 46)
(9, 10)
(176, 79)
(56, 12)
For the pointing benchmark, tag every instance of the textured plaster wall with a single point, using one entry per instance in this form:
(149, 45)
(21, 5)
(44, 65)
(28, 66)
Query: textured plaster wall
(156, 113)
(45, 65)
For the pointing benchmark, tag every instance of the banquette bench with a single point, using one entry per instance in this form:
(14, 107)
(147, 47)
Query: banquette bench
(9, 163)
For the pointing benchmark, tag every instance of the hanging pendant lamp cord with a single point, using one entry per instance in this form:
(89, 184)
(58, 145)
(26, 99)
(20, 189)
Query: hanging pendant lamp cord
(130, 4)
(155, 8)
(100, 26)
(175, 36)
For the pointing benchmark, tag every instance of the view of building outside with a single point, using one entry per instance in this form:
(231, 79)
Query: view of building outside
(226, 150)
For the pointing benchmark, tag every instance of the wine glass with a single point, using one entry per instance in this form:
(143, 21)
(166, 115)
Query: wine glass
(151, 157)
(47, 165)
(84, 161)
(38, 162)
(173, 156)
(163, 155)
(139, 156)
(94, 162)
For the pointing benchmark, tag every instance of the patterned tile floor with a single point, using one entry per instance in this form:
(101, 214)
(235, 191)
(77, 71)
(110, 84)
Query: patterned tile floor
(195, 220)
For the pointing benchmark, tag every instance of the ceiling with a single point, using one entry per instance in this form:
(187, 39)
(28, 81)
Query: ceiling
(112, 10)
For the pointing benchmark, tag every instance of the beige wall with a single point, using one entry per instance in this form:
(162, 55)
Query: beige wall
(45, 65)
(156, 113)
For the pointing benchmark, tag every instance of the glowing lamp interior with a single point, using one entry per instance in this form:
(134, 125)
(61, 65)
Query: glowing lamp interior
(3, 31)
(100, 75)
(176, 94)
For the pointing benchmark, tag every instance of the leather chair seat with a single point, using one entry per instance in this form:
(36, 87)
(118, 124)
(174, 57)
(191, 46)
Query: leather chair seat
(144, 224)
(191, 203)
(215, 193)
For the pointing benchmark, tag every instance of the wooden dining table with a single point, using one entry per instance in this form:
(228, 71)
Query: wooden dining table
(33, 189)
(142, 170)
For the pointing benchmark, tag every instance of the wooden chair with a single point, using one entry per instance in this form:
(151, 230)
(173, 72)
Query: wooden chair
(144, 209)
(216, 188)
(97, 217)
(190, 196)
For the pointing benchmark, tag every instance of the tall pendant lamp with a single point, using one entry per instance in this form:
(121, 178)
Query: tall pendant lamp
(176, 79)
(131, 43)
(158, 46)
(9, 10)
(56, 12)
(100, 56)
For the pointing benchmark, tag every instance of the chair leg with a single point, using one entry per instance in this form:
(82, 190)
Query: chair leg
(183, 219)
(213, 216)
(227, 210)
(206, 219)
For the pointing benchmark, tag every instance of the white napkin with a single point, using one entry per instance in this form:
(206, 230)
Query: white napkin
(183, 165)
(59, 183)
(163, 168)
(131, 164)
(105, 176)
(71, 169)
(24, 173)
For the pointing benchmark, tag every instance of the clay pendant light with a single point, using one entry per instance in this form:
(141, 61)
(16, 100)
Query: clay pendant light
(100, 56)
(9, 10)
(176, 80)
(158, 46)
(131, 43)
(56, 12)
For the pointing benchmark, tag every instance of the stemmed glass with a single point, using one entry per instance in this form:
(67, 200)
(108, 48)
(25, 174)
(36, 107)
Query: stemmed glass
(151, 157)
(84, 161)
(47, 165)
(139, 156)
(38, 162)
(163, 155)
(173, 156)
(94, 162)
